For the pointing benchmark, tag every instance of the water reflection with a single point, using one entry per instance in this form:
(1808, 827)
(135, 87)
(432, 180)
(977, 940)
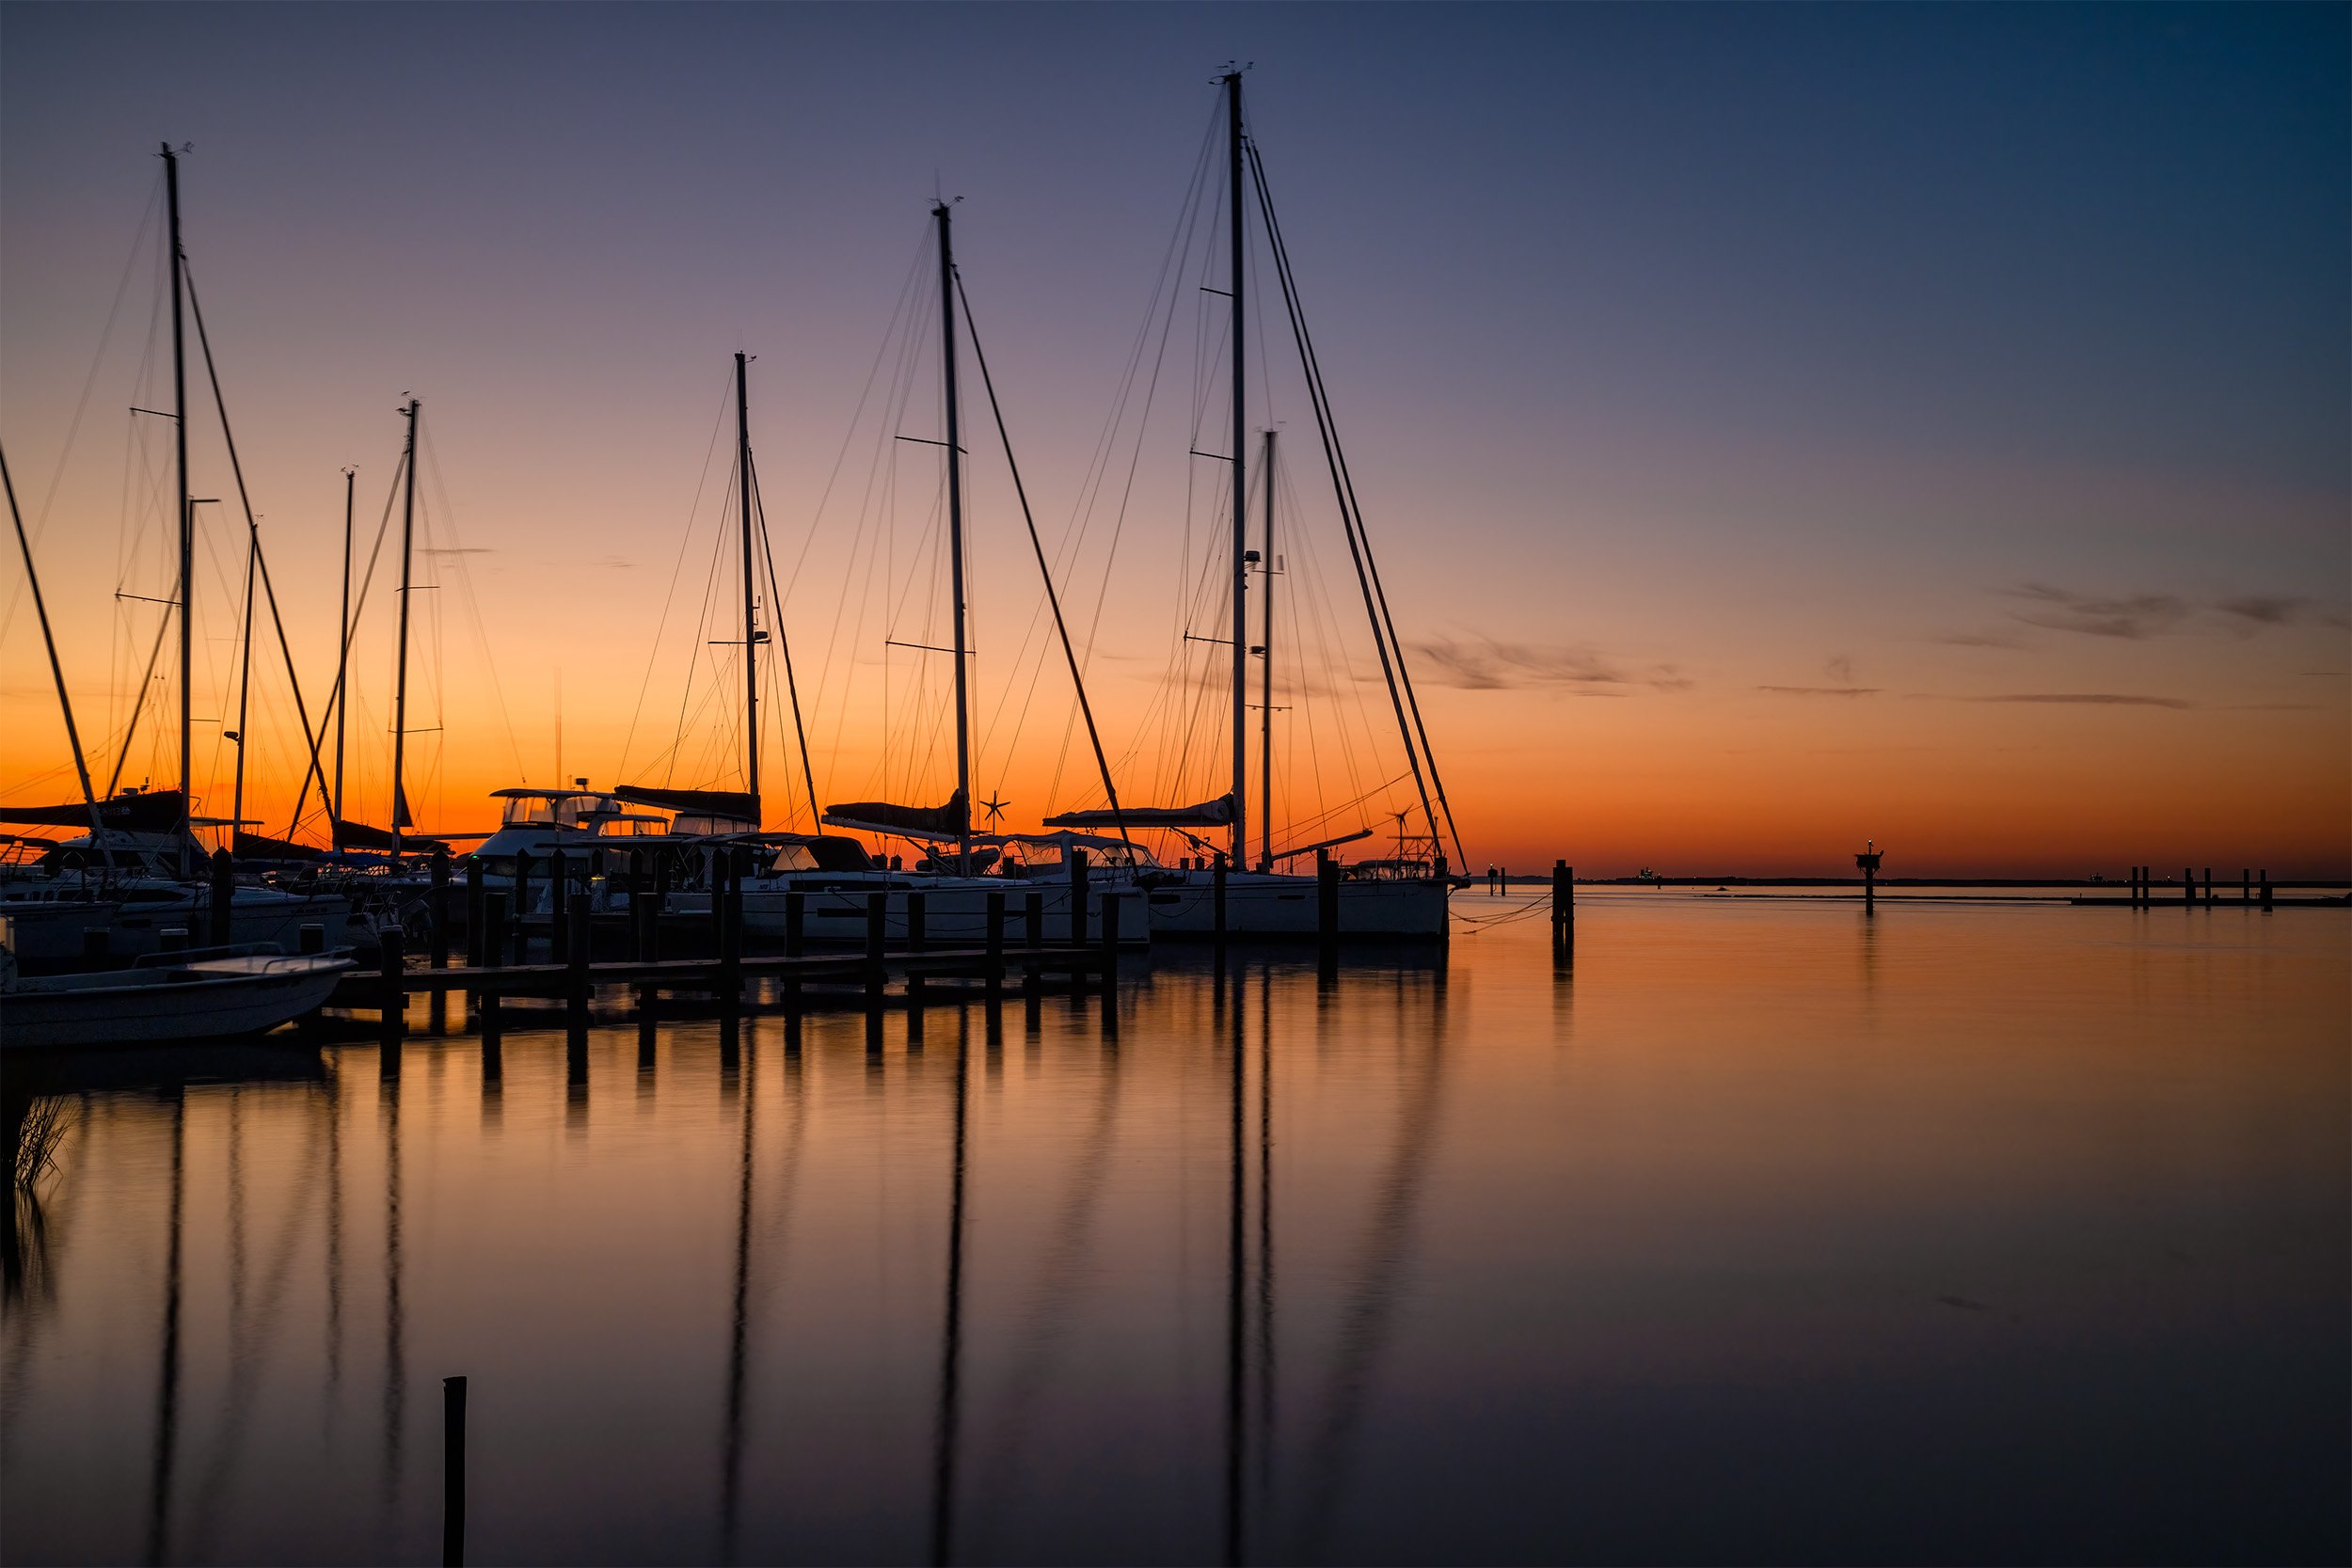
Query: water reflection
(1292, 1266)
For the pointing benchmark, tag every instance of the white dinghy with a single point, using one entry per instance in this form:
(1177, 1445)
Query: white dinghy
(202, 999)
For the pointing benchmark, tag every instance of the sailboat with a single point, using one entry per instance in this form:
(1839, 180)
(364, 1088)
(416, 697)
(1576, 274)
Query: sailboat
(113, 892)
(833, 873)
(1404, 896)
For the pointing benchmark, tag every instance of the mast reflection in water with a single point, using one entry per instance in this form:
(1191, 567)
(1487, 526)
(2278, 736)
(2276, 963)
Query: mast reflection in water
(1754, 1230)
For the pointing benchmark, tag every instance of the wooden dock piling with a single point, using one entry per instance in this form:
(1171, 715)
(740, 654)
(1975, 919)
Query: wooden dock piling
(474, 917)
(1110, 966)
(1216, 909)
(1326, 898)
(519, 904)
(914, 945)
(2266, 889)
(995, 940)
(224, 896)
(576, 953)
(391, 965)
(877, 916)
(1033, 938)
(558, 896)
(439, 908)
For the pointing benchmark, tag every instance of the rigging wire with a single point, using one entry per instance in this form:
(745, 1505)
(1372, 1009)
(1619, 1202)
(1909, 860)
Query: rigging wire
(89, 382)
(685, 539)
(1345, 483)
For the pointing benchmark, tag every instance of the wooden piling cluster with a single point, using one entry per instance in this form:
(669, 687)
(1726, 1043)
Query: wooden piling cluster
(2253, 888)
(863, 974)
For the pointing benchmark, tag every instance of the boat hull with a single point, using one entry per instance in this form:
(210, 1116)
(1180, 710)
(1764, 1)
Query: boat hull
(1261, 904)
(49, 933)
(955, 914)
(216, 999)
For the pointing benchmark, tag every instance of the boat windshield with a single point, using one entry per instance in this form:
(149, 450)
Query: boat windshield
(556, 811)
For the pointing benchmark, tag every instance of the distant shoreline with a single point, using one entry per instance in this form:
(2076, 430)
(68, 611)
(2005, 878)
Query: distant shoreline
(2219, 884)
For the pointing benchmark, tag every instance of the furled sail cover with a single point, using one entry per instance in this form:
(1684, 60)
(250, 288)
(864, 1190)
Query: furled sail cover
(262, 847)
(1208, 814)
(155, 812)
(359, 835)
(735, 805)
(880, 817)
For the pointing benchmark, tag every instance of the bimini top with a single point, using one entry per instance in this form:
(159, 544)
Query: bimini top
(725, 806)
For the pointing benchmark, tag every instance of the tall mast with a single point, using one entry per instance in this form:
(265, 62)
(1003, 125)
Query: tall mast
(1241, 469)
(955, 533)
(187, 519)
(56, 670)
(751, 635)
(400, 690)
(1266, 673)
(342, 664)
(245, 679)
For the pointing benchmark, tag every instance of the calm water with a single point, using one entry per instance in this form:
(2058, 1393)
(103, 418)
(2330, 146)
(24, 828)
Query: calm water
(1974, 1232)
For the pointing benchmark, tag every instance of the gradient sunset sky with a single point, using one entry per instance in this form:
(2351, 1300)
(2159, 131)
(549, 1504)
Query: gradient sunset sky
(1780, 425)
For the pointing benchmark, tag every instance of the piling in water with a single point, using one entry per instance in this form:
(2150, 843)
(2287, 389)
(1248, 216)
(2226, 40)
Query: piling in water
(439, 908)
(519, 904)
(1217, 900)
(473, 913)
(452, 1471)
(392, 997)
(224, 897)
(1326, 898)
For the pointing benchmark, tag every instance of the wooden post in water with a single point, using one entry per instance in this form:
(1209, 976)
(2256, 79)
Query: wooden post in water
(876, 918)
(1078, 895)
(1110, 964)
(731, 929)
(661, 907)
(493, 956)
(1033, 937)
(795, 943)
(518, 905)
(224, 899)
(1217, 897)
(2188, 887)
(392, 996)
(2265, 885)
(914, 945)
(559, 901)
(440, 906)
(1563, 907)
(2209, 884)
(1326, 898)
(452, 1471)
(474, 958)
(576, 953)
(994, 937)
(2244, 885)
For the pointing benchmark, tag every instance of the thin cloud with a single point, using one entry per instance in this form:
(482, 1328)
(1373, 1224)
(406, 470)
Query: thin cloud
(2094, 699)
(1487, 665)
(1979, 640)
(1821, 691)
(2134, 618)
(460, 549)
(2257, 611)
